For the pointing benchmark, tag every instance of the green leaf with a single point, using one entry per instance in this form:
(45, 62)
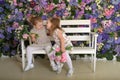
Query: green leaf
(79, 1)
(56, 1)
(109, 56)
(58, 53)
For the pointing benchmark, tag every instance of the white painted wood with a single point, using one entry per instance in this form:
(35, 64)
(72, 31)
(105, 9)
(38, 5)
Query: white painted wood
(76, 50)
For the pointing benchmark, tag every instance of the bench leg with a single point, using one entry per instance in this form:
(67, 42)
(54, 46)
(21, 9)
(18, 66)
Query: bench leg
(23, 61)
(94, 67)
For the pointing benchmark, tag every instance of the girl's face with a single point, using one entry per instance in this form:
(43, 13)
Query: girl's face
(49, 24)
(39, 25)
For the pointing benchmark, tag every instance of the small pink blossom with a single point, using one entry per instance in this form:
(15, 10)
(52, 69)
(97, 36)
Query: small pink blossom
(37, 8)
(63, 57)
(58, 58)
(15, 2)
(106, 23)
(20, 28)
(49, 7)
(108, 12)
(57, 49)
(93, 20)
(15, 25)
(61, 6)
(20, 4)
(25, 36)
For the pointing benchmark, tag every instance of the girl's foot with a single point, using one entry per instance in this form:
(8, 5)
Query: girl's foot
(70, 73)
(54, 68)
(28, 67)
(59, 68)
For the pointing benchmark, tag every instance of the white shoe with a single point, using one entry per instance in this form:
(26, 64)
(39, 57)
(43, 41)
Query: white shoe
(28, 67)
(59, 68)
(54, 68)
(70, 73)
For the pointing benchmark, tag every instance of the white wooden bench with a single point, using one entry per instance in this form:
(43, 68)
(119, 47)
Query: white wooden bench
(87, 35)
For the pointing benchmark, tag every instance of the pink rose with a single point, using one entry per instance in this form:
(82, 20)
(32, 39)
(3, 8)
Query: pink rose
(57, 49)
(63, 57)
(15, 25)
(25, 36)
(58, 58)
(37, 8)
(106, 23)
(15, 2)
(93, 20)
(108, 12)
(50, 7)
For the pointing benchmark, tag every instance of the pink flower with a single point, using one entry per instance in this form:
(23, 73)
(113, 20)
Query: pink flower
(20, 28)
(108, 12)
(58, 58)
(61, 6)
(28, 15)
(15, 25)
(15, 2)
(49, 7)
(52, 57)
(63, 57)
(57, 49)
(20, 4)
(93, 20)
(25, 36)
(66, 13)
(37, 8)
(106, 23)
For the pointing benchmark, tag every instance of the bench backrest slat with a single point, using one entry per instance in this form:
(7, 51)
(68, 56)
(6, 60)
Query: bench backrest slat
(75, 30)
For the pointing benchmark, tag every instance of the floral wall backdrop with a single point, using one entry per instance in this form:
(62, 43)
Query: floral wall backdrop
(104, 16)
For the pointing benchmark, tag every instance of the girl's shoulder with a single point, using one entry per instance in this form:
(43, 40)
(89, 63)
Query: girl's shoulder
(58, 31)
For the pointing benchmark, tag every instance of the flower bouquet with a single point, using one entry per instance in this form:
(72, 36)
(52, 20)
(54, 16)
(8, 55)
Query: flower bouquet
(57, 55)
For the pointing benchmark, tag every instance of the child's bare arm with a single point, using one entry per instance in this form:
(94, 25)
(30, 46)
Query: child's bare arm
(62, 40)
(33, 37)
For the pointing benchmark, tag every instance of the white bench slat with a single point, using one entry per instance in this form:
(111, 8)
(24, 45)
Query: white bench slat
(82, 50)
(79, 38)
(76, 30)
(75, 22)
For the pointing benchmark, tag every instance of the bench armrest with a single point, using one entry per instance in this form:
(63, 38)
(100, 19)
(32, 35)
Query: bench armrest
(94, 39)
(95, 34)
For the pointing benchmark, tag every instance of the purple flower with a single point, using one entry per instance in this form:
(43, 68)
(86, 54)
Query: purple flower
(117, 49)
(6, 47)
(19, 16)
(1, 31)
(44, 17)
(102, 37)
(7, 6)
(37, 8)
(16, 11)
(107, 46)
(86, 1)
(2, 1)
(94, 6)
(117, 28)
(43, 3)
(117, 41)
(9, 29)
(2, 36)
(13, 52)
(1, 9)
(2, 16)
(115, 2)
(110, 40)
(73, 3)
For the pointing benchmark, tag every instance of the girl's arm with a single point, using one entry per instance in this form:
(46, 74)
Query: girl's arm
(62, 40)
(33, 37)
